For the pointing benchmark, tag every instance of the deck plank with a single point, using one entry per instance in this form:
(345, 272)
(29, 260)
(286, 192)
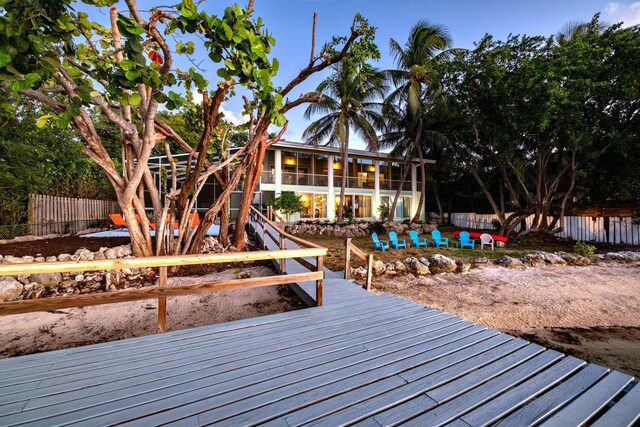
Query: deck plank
(372, 360)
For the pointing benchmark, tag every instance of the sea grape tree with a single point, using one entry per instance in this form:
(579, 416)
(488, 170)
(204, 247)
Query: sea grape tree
(66, 56)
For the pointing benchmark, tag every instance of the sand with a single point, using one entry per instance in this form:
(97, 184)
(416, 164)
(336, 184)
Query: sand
(44, 331)
(592, 312)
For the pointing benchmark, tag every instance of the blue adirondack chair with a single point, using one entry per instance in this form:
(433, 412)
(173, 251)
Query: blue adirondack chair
(466, 242)
(383, 245)
(416, 240)
(393, 237)
(438, 240)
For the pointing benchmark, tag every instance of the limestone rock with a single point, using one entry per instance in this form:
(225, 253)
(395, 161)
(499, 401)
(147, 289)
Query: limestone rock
(51, 259)
(463, 265)
(48, 280)
(441, 264)
(399, 267)
(378, 268)
(483, 262)
(83, 254)
(419, 268)
(10, 288)
(33, 291)
(110, 253)
(64, 257)
(510, 262)
(99, 255)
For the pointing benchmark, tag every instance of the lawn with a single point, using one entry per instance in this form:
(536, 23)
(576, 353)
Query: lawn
(335, 257)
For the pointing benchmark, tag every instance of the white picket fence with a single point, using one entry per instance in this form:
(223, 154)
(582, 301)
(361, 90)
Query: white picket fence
(49, 214)
(592, 229)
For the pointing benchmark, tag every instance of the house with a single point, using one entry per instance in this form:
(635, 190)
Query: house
(315, 172)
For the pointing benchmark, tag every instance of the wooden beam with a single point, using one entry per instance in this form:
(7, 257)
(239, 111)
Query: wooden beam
(57, 303)
(309, 266)
(319, 282)
(160, 261)
(162, 302)
(367, 283)
(347, 257)
(359, 252)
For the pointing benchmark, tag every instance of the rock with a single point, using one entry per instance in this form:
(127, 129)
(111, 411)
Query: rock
(119, 251)
(48, 280)
(83, 254)
(533, 260)
(510, 262)
(378, 268)
(39, 259)
(64, 257)
(424, 261)
(399, 267)
(553, 259)
(442, 264)
(463, 265)
(10, 289)
(79, 278)
(23, 278)
(33, 291)
(419, 268)
(348, 234)
(483, 262)
(110, 254)
(51, 259)
(630, 255)
(127, 250)
(16, 260)
(99, 255)
(390, 269)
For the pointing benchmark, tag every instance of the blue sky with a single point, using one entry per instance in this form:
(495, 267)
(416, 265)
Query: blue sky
(467, 21)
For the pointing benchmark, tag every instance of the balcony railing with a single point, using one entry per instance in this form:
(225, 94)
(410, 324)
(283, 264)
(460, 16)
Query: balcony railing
(316, 180)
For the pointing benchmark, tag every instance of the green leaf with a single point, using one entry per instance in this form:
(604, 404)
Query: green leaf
(4, 59)
(228, 32)
(127, 64)
(188, 9)
(42, 121)
(222, 73)
(275, 65)
(135, 99)
(31, 79)
(229, 64)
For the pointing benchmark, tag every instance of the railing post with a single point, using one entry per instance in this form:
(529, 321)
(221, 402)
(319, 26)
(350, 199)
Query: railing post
(367, 283)
(162, 302)
(347, 257)
(319, 260)
(283, 264)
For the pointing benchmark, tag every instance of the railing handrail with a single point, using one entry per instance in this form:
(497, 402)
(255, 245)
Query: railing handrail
(159, 261)
(368, 258)
(298, 240)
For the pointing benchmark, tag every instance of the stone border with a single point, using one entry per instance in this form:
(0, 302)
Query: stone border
(438, 264)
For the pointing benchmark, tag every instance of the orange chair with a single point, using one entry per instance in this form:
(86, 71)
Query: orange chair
(194, 219)
(118, 220)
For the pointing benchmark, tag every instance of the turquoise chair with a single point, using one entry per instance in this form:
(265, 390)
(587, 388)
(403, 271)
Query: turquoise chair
(393, 237)
(465, 241)
(438, 240)
(416, 240)
(383, 245)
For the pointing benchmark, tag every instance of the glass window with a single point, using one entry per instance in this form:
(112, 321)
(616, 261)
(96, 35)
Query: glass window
(319, 205)
(307, 203)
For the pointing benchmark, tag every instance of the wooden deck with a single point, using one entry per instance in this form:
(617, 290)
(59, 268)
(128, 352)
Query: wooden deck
(359, 359)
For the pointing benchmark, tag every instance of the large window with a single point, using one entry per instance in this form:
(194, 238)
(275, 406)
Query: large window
(403, 207)
(315, 205)
(358, 205)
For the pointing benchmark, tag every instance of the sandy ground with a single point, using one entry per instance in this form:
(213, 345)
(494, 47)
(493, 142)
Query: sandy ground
(592, 312)
(43, 331)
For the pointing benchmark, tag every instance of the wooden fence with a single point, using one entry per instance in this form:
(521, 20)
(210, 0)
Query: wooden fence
(50, 214)
(161, 292)
(349, 247)
(591, 229)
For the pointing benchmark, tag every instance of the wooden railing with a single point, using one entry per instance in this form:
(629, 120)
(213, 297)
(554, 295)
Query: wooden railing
(368, 258)
(161, 292)
(280, 239)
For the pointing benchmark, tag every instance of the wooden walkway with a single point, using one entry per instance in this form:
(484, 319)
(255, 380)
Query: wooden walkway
(360, 359)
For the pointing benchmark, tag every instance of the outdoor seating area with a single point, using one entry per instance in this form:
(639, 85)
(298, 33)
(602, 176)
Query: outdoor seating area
(465, 239)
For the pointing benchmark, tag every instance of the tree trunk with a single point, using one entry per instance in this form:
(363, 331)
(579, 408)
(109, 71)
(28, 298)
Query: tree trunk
(345, 173)
(423, 188)
(440, 210)
(392, 208)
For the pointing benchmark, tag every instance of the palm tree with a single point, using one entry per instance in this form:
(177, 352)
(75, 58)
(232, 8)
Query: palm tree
(350, 101)
(428, 44)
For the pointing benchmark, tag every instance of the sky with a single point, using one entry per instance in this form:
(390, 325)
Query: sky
(290, 21)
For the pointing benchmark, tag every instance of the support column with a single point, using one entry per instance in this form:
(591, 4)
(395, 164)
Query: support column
(331, 198)
(278, 172)
(414, 189)
(376, 202)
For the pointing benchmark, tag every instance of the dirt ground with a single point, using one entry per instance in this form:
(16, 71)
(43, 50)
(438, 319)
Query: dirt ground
(592, 312)
(60, 245)
(44, 331)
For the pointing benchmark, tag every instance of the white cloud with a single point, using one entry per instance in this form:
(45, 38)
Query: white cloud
(233, 117)
(616, 12)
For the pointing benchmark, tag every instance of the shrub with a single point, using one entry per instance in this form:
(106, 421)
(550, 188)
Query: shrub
(377, 227)
(584, 249)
